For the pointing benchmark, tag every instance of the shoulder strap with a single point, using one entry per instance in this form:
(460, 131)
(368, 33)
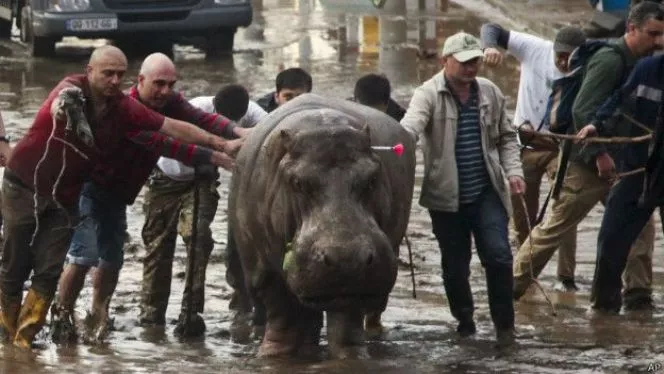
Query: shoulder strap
(623, 59)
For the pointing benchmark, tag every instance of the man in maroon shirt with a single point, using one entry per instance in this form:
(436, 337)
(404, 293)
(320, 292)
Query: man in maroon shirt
(115, 183)
(41, 201)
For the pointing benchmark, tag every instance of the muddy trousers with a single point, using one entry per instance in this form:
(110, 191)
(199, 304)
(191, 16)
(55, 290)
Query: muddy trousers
(168, 211)
(536, 164)
(487, 221)
(582, 189)
(624, 219)
(45, 258)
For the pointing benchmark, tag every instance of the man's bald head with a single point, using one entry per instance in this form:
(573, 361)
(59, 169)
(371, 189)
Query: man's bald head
(156, 80)
(105, 70)
(157, 63)
(107, 53)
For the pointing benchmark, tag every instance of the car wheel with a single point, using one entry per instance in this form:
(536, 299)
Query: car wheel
(220, 42)
(6, 28)
(38, 46)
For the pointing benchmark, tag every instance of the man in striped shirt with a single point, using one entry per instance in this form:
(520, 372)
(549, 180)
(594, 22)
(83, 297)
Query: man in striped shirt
(471, 166)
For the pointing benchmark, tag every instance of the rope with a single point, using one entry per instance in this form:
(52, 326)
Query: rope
(57, 181)
(35, 197)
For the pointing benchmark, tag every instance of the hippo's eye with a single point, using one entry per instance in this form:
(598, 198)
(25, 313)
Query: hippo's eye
(298, 184)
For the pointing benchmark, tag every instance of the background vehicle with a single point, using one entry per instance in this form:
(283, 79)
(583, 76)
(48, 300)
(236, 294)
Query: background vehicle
(42, 23)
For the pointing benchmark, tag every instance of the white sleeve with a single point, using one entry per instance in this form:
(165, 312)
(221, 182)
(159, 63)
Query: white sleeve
(525, 47)
(254, 114)
(205, 103)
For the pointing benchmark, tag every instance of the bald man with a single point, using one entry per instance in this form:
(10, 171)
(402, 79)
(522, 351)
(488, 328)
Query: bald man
(115, 182)
(115, 118)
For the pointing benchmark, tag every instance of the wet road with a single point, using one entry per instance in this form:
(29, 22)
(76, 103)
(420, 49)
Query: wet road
(338, 47)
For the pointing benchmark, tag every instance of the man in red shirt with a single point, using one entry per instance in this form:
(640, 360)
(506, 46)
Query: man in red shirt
(115, 183)
(41, 201)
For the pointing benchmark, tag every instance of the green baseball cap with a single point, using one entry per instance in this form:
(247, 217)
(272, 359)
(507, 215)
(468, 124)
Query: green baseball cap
(463, 47)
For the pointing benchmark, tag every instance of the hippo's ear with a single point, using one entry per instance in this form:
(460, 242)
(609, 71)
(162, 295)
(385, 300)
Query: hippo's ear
(286, 139)
(365, 129)
(367, 132)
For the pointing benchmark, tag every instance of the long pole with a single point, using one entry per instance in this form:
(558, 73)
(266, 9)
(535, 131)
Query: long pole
(191, 256)
(412, 270)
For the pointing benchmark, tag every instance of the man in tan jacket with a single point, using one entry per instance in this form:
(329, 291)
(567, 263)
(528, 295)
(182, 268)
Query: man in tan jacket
(471, 167)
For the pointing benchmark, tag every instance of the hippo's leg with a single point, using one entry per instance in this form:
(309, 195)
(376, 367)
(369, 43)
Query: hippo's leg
(345, 334)
(372, 325)
(311, 322)
(282, 330)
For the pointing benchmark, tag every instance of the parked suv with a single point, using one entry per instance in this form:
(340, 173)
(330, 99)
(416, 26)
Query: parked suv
(44, 22)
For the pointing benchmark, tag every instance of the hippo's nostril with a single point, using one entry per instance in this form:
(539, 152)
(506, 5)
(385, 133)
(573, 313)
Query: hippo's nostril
(326, 260)
(370, 259)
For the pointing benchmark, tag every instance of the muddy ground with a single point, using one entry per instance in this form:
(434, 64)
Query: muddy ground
(421, 338)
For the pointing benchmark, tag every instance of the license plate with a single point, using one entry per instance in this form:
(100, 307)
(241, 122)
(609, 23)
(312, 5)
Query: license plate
(92, 24)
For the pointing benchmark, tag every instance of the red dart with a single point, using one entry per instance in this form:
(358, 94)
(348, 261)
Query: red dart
(397, 149)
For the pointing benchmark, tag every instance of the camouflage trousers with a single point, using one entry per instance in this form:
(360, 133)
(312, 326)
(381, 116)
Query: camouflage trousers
(169, 208)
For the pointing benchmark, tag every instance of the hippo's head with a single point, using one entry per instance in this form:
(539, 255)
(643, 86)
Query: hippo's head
(333, 195)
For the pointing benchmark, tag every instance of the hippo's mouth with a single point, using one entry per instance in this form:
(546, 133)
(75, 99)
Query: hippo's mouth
(343, 301)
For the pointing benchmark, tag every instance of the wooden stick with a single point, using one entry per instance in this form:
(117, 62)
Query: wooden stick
(631, 172)
(596, 139)
(636, 123)
(412, 269)
(530, 240)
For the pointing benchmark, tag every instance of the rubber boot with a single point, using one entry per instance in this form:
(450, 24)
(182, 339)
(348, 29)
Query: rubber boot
(9, 309)
(31, 319)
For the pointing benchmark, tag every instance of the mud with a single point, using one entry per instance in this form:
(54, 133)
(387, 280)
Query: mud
(421, 339)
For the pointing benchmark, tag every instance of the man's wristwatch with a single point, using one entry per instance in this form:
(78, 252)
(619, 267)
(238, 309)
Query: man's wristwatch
(4, 139)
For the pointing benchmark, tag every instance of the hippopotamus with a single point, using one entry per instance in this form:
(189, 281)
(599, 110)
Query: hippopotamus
(318, 216)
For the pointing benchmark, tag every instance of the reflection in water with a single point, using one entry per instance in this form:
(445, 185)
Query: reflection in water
(395, 60)
(338, 46)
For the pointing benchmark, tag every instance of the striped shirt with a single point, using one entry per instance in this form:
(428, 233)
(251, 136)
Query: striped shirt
(473, 176)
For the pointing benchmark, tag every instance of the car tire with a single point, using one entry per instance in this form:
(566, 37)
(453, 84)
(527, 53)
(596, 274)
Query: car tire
(38, 46)
(6, 28)
(220, 42)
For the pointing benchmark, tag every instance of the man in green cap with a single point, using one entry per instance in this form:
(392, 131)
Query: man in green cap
(472, 166)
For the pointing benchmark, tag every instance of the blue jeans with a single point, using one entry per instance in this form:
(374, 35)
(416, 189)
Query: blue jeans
(99, 238)
(486, 219)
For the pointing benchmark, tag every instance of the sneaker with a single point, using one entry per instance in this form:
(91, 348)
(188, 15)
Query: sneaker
(63, 326)
(97, 327)
(565, 285)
